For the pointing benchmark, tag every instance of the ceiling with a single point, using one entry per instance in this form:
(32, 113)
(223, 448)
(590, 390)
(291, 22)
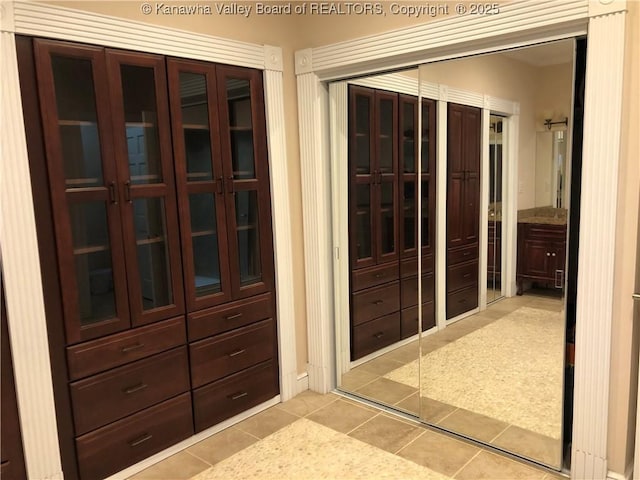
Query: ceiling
(544, 55)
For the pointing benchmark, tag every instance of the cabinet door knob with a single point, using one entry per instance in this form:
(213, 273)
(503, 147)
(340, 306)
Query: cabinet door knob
(553, 254)
(548, 254)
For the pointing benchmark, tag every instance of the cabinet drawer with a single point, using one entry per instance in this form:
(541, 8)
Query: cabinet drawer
(112, 448)
(462, 301)
(229, 316)
(544, 232)
(463, 275)
(372, 276)
(409, 319)
(112, 395)
(108, 352)
(217, 357)
(223, 399)
(409, 266)
(376, 302)
(376, 334)
(409, 290)
(463, 254)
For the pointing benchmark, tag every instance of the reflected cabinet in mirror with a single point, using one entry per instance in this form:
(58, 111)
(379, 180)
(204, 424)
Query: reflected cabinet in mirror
(451, 299)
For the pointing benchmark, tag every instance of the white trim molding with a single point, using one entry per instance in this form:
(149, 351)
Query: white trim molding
(518, 24)
(17, 224)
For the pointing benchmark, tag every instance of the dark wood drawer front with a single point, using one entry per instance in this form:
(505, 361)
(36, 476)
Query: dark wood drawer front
(376, 334)
(463, 275)
(112, 448)
(409, 266)
(464, 254)
(229, 316)
(462, 301)
(223, 399)
(409, 319)
(99, 355)
(112, 395)
(370, 277)
(410, 290)
(376, 302)
(217, 357)
(545, 232)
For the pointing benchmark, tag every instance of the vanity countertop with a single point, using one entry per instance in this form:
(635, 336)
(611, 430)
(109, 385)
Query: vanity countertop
(543, 215)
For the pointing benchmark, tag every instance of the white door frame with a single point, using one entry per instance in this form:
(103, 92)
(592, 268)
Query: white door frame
(517, 24)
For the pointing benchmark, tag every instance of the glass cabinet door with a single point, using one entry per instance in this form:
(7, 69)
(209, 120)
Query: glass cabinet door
(74, 95)
(145, 167)
(200, 181)
(246, 180)
(408, 144)
(387, 168)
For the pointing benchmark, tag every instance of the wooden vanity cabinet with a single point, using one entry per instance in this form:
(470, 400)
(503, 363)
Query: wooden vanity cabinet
(541, 254)
(463, 208)
(158, 178)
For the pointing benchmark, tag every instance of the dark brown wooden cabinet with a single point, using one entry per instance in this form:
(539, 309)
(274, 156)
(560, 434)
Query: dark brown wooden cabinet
(463, 208)
(159, 189)
(541, 254)
(383, 219)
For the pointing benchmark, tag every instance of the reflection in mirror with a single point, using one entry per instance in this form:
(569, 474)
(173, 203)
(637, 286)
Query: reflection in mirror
(494, 369)
(378, 332)
(494, 224)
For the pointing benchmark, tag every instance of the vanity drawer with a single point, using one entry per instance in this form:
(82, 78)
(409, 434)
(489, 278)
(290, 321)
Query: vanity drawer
(222, 355)
(409, 319)
(112, 448)
(372, 276)
(462, 275)
(462, 301)
(409, 289)
(225, 398)
(374, 335)
(409, 266)
(229, 316)
(544, 232)
(462, 254)
(99, 355)
(376, 302)
(112, 395)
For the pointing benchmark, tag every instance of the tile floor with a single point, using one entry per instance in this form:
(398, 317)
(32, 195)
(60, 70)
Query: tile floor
(361, 442)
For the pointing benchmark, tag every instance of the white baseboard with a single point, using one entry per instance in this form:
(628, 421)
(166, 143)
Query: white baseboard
(628, 474)
(302, 383)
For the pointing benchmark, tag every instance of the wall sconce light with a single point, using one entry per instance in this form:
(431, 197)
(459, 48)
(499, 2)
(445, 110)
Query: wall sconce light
(549, 123)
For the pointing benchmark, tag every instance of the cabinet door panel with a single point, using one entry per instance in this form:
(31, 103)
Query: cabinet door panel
(387, 205)
(199, 182)
(145, 167)
(246, 170)
(83, 181)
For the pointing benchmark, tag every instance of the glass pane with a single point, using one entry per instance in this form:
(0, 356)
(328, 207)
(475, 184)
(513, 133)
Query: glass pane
(408, 137)
(153, 255)
(241, 128)
(363, 221)
(386, 136)
(425, 213)
(195, 124)
(387, 220)
(363, 135)
(248, 237)
(409, 213)
(92, 257)
(424, 164)
(204, 235)
(141, 120)
(77, 119)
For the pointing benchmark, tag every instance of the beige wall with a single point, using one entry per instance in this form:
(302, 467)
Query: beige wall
(624, 342)
(311, 31)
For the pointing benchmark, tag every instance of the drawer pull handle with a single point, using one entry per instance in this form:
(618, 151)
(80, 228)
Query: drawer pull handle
(379, 335)
(135, 388)
(237, 352)
(464, 300)
(467, 275)
(131, 348)
(238, 395)
(466, 254)
(378, 302)
(378, 275)
(233, 317)
(141, 440)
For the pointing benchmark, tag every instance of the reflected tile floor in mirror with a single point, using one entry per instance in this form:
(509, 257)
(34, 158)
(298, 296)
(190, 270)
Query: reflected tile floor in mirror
(496, 376)
(317, 436)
